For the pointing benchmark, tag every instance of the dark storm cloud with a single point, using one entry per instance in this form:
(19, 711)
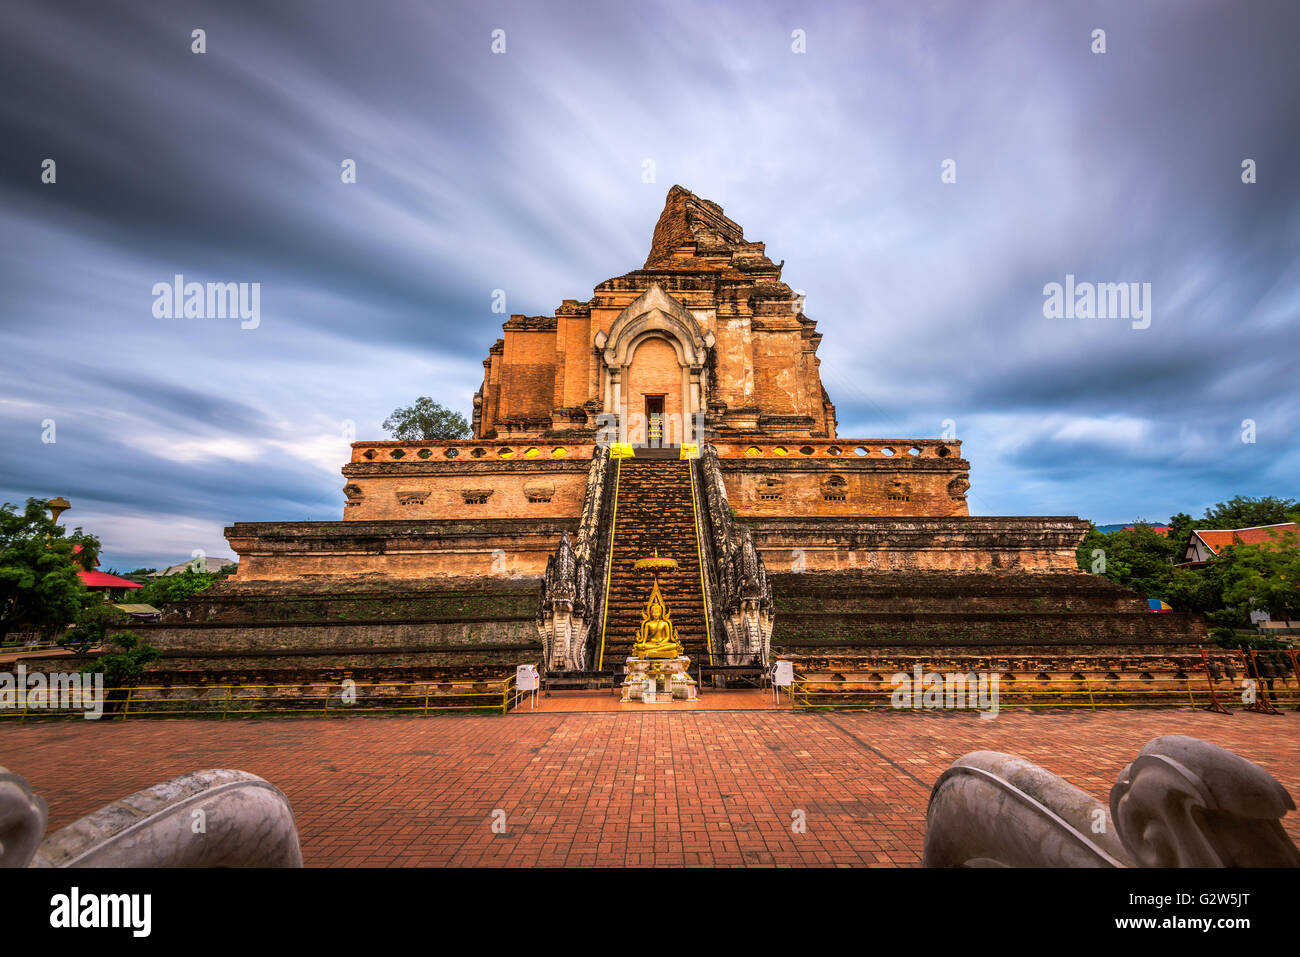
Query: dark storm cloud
(523, 172)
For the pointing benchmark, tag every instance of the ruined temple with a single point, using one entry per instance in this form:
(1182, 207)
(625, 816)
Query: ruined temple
(704, 336)
(679, 408)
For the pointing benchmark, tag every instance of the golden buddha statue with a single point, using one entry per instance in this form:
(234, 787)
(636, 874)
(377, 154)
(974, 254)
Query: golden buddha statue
(657, 637)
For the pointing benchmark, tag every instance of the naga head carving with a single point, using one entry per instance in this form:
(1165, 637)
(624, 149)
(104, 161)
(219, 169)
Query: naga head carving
(22, 820)
(1189, 803)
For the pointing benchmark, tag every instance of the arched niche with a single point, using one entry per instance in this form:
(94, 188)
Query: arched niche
(651, 322)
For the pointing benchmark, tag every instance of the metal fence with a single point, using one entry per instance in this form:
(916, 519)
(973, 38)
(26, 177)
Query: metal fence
(1263, 681)
(312, 699)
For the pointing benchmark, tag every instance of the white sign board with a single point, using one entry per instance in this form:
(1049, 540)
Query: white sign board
(783, 676)
(526, 678)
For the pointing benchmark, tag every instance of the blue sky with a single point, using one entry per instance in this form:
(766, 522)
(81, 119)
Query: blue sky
(523, 171)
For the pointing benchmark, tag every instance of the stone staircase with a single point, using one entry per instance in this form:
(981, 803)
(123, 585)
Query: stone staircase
(654, 511)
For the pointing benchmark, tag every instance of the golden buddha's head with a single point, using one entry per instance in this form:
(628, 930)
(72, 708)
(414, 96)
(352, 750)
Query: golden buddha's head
(655, 609)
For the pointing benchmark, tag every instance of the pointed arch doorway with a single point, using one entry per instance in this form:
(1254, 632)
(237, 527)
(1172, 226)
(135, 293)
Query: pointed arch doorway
(653, 370)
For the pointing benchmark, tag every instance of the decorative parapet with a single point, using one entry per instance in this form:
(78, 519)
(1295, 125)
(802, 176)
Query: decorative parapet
(466, 449)
(844, 478)
(436, 480)
(847, 450)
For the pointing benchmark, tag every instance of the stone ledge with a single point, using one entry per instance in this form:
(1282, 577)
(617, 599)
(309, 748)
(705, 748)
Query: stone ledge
(992, 522)
(837, 622)
(930, 649)
(790, 463)
(457, 467)
(869, 579)
(144, 628)
(367, 587)
(389, 528)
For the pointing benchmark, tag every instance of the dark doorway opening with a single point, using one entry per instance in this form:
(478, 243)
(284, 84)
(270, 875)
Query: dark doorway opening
(654, 417)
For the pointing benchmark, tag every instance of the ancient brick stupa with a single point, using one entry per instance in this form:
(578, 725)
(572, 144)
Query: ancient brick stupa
(518, 544)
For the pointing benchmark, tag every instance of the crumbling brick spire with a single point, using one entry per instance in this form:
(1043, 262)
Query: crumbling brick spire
(687, 218)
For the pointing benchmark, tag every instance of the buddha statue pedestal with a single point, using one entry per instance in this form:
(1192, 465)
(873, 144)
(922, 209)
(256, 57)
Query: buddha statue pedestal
(659, 680)
(658, 669)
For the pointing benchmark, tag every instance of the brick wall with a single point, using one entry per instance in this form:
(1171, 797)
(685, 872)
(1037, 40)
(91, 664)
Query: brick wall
(286, 551)
(908, 544)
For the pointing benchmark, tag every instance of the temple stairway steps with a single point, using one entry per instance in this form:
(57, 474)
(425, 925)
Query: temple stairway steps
(654, 511)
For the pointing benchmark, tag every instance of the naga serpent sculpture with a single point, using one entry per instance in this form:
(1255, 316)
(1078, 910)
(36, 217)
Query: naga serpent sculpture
(1183, 802)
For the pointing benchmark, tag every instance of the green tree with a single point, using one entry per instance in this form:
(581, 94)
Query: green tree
(426, 420)
(1244, 512)
(1141, 559)
(1226, 589)
(1180, 529)
(94, 622)
(1196, 590)
(125, 666)
(172, 588)
(1264, 576)
(39, 561)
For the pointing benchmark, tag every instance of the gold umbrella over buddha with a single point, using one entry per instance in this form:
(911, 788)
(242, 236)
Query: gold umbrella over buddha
(657, 636)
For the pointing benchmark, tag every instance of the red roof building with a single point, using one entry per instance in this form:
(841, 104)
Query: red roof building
(97, 579)
(1206, 543)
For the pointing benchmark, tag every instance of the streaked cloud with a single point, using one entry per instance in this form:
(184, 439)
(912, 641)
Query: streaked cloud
(523, 172)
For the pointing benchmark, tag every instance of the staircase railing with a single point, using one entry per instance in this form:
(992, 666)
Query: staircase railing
(704, 537)
(609, 520)
(574, 590)
(738, 592)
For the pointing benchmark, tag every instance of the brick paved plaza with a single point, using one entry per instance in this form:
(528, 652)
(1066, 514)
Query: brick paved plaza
(696, 788)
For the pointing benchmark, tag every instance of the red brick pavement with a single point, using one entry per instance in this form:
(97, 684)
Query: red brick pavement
(696, 788)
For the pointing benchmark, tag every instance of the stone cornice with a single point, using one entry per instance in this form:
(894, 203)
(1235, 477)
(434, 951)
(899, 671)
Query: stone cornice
(931, 525)
(842, 463)
(366, 536)
(465, 467)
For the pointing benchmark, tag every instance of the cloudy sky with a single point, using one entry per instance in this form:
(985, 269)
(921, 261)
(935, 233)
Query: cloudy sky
(524, 171)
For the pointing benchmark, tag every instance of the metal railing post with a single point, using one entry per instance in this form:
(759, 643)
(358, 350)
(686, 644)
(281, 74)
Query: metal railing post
(1262, 704)
(1295, 673)
(1214, 697)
